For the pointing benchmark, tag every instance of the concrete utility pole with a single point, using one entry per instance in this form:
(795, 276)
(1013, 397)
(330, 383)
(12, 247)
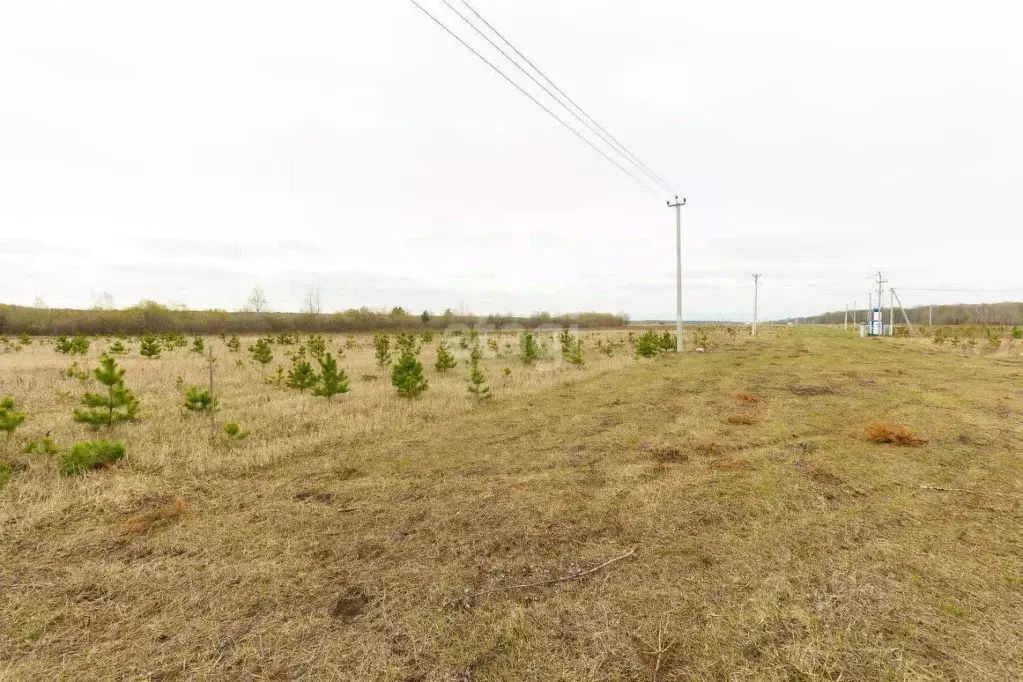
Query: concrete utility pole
(854, 313)
(930, 315)
(891, 311)
(845, 323)
(880, 301)
(678, 273)
(756, 292)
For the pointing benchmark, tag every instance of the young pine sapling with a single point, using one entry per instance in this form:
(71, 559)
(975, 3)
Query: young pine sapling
(331, 380)
(116, 405)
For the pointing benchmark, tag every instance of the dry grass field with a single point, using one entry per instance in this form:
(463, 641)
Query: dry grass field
(720, 515)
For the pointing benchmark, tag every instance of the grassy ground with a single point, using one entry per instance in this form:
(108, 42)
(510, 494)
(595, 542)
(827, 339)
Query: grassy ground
(773, 540)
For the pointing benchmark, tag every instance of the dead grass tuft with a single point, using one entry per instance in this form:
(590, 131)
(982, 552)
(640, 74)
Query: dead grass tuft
(807, 391)
(745, 419)
(747, 398)
(892, 433)
(667, 454)
(161, 516)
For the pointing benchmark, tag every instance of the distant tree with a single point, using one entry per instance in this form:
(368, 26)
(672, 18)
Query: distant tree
(398, 311)
(331, 380)
(425, 317)
(257, 302)
(311, 303)
(445, 360)
(116, 405)
(39, 303)
(102, 301)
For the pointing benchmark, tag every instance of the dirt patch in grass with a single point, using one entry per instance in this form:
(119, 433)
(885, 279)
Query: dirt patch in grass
(742, 419)
(350, 604)
(667, 454)
(747, 398)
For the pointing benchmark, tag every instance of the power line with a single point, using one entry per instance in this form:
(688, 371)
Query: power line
(599, 130)
(967, 290)
(533, 99)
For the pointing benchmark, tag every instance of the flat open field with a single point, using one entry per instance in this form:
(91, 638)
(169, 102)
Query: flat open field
(753, 530)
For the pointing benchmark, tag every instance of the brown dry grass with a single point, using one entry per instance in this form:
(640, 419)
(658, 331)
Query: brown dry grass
(892, 433)
(358, 548)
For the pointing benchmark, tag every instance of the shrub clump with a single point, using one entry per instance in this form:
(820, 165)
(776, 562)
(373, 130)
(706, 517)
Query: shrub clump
(90, 455)
(892, 433)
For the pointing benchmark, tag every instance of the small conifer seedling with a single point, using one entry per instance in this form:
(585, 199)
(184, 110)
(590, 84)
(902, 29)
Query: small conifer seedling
(198, 345)
(9, 419)
(117, 348)
(198, 400)
(90, 455)
(527, 348)
(302, 376)
(149, 346)
(116, 405)
(331, 380)
(445, 360)
(43, 446)
(261, 351)
(234, 432)
(407, 372)
(233, 344)
(317, 346)
(382, 349)
(477, 380)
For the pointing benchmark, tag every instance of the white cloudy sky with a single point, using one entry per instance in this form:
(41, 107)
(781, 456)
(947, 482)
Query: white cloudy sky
(188, 151)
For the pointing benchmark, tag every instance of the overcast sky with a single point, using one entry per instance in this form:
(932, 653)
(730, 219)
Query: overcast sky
(188, 151)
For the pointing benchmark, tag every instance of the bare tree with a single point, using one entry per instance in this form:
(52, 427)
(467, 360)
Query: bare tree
(257, 301)
(102, 301)
(40, 303)
(311, 304)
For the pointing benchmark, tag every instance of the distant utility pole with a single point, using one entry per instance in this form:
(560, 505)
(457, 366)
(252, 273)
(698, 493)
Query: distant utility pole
(930, 315)
(756, 291)
(678, 273)
(845, 323)
(854, 313)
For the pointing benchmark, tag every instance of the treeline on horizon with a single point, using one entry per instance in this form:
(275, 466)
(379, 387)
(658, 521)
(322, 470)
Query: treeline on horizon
(150, 316)
(1007, 313)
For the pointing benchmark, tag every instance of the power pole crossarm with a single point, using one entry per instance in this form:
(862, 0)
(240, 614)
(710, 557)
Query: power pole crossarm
(678, 273)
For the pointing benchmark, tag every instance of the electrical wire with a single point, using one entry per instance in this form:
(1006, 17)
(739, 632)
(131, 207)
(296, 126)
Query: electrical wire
(593, 125)
(533, 99)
